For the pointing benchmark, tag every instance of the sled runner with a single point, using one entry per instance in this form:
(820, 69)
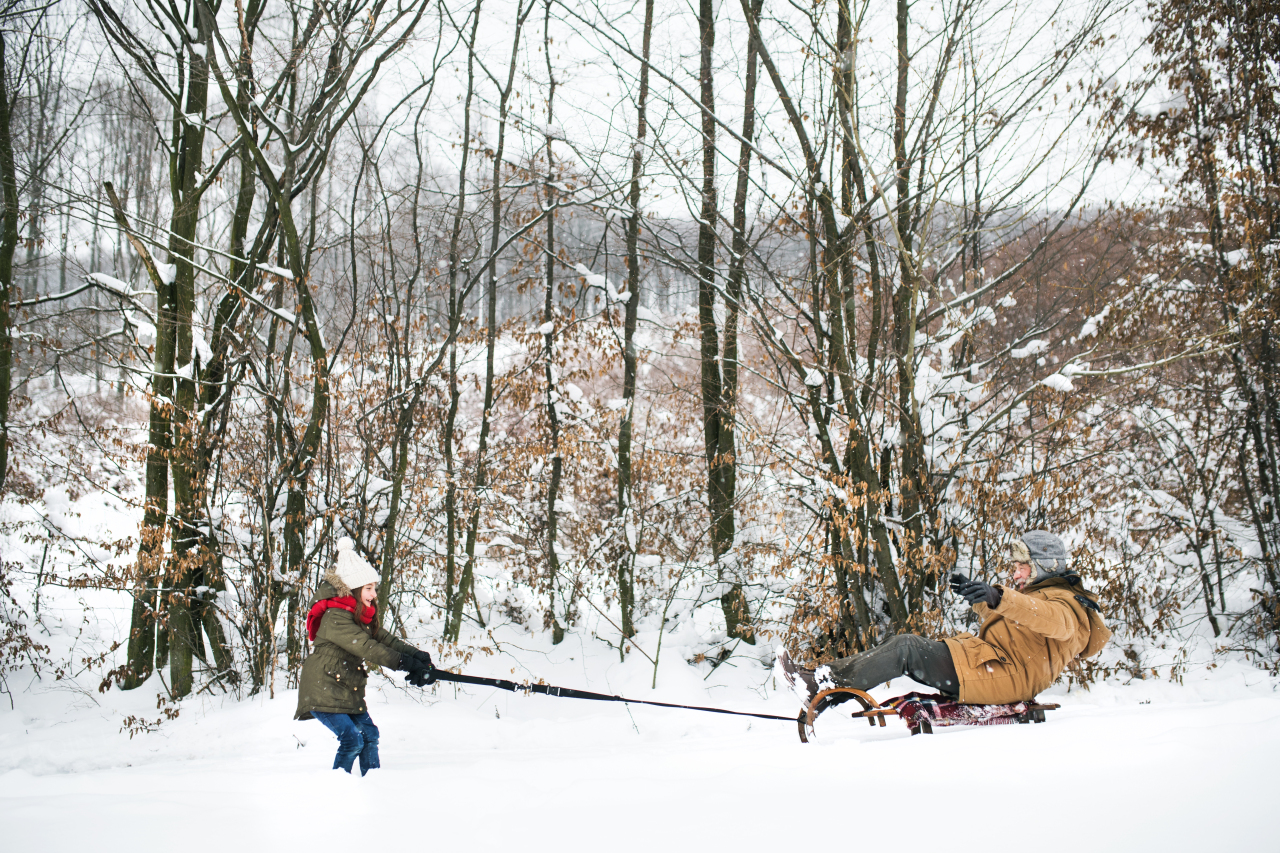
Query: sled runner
(920, 711)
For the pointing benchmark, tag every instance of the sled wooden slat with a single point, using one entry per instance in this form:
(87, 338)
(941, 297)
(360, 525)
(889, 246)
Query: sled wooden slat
(876, 714)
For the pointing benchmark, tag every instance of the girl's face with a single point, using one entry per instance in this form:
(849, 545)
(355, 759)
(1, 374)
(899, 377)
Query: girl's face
(368, 594)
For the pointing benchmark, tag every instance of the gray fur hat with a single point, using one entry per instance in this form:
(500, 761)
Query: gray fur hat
(1044, 551)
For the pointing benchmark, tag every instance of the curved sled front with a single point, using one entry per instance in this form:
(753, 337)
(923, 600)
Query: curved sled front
(838, 696)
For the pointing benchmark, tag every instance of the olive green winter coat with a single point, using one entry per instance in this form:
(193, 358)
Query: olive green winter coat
(1026, 642)
(334, 674)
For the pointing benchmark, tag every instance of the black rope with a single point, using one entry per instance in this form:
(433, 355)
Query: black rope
(569, 693)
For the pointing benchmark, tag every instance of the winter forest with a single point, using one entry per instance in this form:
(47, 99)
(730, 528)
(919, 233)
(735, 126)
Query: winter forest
(669, 331)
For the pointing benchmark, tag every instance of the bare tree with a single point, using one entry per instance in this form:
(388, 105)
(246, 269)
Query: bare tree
(886, 233)
(626, 514)
(1217, 131)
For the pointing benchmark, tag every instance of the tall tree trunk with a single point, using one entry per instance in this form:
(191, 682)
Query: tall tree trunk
(456, 596)
(403, 435)
(854, 619)
(187, 165)
(626, 513)
(147, 650)
(8, 245)
(466, 582)
(213, 393)
(913, 479)
(857, 465)
(173, 433)
(726, 452)
(549, 358)
(305, 454)
(717, 418)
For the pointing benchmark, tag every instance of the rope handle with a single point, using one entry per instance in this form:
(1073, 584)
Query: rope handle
(570, 693)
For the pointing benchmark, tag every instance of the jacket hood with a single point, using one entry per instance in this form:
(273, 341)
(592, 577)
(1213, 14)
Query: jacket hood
(331, 586)
(1099, 634)
(1068, 579)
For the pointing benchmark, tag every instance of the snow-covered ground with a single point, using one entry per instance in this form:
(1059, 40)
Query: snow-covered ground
(1144, 765)
(1150, 765)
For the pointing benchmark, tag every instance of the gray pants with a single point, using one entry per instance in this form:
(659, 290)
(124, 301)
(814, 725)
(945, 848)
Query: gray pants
(927, 661)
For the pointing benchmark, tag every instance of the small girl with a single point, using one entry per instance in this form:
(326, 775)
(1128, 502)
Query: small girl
(343, 626)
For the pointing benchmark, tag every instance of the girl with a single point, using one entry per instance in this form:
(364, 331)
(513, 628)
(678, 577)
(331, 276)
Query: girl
(343, 625)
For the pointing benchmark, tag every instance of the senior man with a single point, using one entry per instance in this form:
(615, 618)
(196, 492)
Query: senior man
(1031, 630)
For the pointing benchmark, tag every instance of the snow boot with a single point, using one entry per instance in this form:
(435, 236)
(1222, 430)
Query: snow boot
(801, 681)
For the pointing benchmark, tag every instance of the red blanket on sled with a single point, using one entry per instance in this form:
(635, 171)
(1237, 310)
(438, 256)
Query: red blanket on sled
(938, 710)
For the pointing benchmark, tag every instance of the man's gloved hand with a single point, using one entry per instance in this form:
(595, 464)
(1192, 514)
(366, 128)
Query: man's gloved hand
(974, 591)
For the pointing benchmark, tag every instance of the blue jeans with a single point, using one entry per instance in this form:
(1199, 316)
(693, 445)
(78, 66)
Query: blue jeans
(357, 735)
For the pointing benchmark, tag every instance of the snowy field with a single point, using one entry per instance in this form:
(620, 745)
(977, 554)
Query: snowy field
(1149, 765)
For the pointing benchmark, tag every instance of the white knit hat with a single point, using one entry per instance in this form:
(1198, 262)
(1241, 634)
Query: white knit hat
(350, 567)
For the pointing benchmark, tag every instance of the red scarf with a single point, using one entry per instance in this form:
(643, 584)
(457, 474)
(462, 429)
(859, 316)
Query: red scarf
(344, 602)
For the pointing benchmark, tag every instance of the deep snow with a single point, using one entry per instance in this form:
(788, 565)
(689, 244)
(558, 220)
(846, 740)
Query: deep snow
(1144, 765)
(1150, 765)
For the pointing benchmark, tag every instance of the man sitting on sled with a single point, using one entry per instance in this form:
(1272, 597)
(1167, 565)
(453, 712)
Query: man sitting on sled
(1031, 630)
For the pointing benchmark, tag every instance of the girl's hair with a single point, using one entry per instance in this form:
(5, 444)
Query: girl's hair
(373, 625)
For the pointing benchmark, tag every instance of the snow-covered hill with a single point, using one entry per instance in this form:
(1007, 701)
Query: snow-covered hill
(1149, 765)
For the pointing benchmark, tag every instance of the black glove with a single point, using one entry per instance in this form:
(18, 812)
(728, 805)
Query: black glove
(426, 662)
(410, 664)
(424, 657)
(418, 665)
(975, 591)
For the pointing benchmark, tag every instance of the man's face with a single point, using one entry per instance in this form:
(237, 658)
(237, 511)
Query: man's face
(1021, 574)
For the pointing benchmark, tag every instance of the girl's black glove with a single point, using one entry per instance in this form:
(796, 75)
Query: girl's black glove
(426, 670)
(974, 591)
(426, 661)
(419, 674)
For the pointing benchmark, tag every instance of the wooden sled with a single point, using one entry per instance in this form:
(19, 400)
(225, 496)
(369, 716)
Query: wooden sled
(874, 712)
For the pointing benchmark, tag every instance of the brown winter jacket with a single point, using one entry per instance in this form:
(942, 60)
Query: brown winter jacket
(334, 674)
(1026, 642)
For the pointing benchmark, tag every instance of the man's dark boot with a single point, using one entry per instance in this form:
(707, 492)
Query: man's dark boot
(800, 680)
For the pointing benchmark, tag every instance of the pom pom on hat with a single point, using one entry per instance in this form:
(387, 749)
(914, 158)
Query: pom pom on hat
(350, 567)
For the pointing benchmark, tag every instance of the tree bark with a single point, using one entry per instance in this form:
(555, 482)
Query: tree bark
(8, 245)
(625, 510)
(186, 166)
(549, 358)
(146, 650)
(913, 474)
(455, 596)
(717, 412)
